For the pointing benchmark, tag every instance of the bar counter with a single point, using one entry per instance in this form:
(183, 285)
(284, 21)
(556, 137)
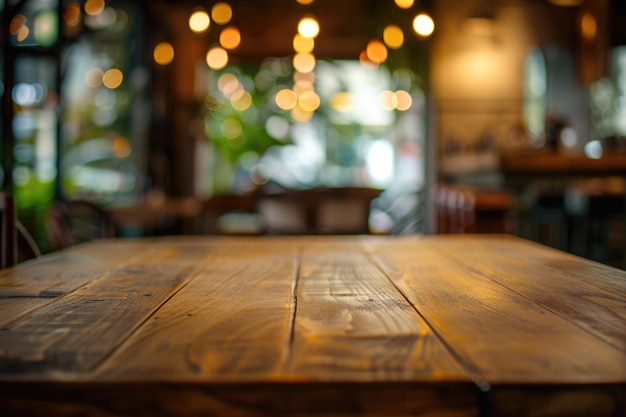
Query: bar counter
(449, 325)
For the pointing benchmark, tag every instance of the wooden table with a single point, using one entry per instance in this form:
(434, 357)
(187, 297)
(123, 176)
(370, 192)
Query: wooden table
(455, 325)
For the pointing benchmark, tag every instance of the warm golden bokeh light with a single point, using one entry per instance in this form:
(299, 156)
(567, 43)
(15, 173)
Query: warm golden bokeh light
(423, 25)
(303, 86)
(302, 44)
(308, 77)
(112, 78)
(94, 7)
(222, 13)
(72, 14)
(308, 27)
(386, 100)
(376, 51)
(286, 99)
(365, 61)
(199, 21)
(404, 4)
(242, 101)
(217, 58)
(163, 53)
(121, 147)
(18, 21)
(304, 62)
(309, 101)
(588, 27)
(300, 115)
(393, 37)
(23, 33)
(400, 100)
(304, 2)
(230, 38)
(93, 77)
(403, 100)
(228, 84)
(342, 101)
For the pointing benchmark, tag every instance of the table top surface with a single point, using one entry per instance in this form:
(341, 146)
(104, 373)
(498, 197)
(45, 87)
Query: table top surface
(469, 311)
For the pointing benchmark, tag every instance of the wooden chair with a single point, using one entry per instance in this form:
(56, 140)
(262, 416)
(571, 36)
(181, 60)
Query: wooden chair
(16, 243)
(76, 221)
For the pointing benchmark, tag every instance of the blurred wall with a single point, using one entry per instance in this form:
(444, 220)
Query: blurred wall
(477, 78)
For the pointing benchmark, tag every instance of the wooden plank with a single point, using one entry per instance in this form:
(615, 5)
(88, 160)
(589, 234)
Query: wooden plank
(590, 295)
(77, 331)
(501, 334)
(352, 324)
(32, 284)
(231, 323)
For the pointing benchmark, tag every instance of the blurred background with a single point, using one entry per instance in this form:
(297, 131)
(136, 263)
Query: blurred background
(320, 117)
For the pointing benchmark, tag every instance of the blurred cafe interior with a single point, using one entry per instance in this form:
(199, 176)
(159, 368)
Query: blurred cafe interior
(256, 117)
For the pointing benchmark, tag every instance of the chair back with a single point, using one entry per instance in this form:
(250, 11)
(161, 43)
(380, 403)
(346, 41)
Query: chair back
(8, 232)
(76, 221)
(16, 243)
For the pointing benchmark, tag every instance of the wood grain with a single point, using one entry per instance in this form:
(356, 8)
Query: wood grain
(30, 285)
(232, 322)
(502, 335)
(352, 324)
(309, 326)
(571, 287)
(80, 329)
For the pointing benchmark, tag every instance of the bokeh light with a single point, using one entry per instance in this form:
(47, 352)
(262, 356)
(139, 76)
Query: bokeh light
(423, 25)
(376, 51)
(221, 13)
(309, 101)
(300, 115)
(228, 84)
(163, 53)
(366, 62)
(304, 62)
(386, 100)
(72, 14)
(342, 101)
(588, 27)
(93, 77)
(94, 7)
(286, 99)
(46, 28)
(18, 21)
(302, 44)
(393, 37)
(304, 2)
(404, 4)
(121, 147)
(199, 21)
(403, 100)
(241, 101)
(308, 27)
(230, 38)
(217, 58)
(112, 78)
(400, 100)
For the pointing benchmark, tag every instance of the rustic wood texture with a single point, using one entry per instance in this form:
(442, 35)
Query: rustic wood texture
(501, 335)
(352, 324)
(231, 323)
(564, 284)
(375, 326)
(78, 330)
(31, 285)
